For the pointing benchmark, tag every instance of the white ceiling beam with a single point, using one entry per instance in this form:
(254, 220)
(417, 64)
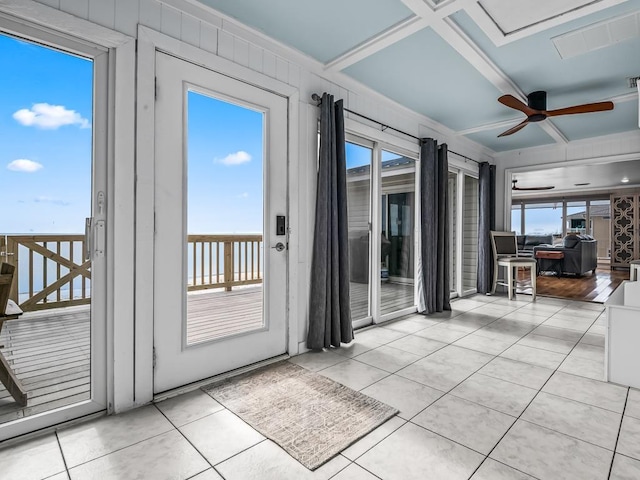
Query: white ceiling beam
(459, 40)
(389, 37)
(490, 126)
(625, 97)
(438, 20)
(499, 38)
(420, 8)
(486, 23)
(554, 132)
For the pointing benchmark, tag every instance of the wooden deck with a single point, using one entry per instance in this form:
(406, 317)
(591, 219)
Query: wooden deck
(50, 353)
(394, 296)
(216, 314)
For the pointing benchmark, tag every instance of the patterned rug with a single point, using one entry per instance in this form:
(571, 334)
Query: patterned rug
(312, 417)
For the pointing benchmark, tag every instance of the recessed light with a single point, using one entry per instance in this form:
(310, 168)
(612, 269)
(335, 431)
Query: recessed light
(581, 184)
(625, 180)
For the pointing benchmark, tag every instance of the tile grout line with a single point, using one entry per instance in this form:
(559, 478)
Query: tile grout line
(615, 447)
(64, 460)
(532, 400)
(194, 447)
(466, 378)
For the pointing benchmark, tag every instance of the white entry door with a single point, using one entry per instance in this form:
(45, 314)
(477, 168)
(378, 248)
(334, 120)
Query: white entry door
(220, 273)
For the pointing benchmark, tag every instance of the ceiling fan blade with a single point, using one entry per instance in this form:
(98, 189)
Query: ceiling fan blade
(513, 102)
(532, 188)
(515, 129)
(586, 108)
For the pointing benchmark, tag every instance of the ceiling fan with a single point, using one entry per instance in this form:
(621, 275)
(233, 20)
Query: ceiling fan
(536, 110)
(516, 187)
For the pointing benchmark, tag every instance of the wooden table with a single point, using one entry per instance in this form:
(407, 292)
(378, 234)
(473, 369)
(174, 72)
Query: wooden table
(552, 261)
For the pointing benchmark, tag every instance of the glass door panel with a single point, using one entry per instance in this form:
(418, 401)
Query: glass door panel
(397, 239)
(359, 207)
(224, 245)
(453, 234)
(543, 219)
(576, 221)
(48, 174)
(470, 235)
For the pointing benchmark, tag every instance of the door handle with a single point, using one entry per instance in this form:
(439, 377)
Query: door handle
(88, 238)
(279, 247)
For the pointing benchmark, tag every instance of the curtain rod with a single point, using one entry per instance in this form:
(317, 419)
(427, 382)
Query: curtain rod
(318, 99)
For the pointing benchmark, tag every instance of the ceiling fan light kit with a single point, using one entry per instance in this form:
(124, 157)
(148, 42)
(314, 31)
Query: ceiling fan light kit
(536, 109)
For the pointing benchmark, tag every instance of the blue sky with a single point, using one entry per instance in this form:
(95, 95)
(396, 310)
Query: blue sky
(45, 139)
(225, 158)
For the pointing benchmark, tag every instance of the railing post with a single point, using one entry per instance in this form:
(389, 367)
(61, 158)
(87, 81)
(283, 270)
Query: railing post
(228, 265)
(12, 258)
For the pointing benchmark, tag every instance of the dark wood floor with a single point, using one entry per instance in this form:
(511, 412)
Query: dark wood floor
(589, 287)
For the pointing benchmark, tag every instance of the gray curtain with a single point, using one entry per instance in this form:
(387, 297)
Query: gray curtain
(329, 309)
(433, 277)
(486, 223)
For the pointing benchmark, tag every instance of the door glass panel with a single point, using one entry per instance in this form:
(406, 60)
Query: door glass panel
(224, 248)
(543, 219)
(576, 221)
(516, 218)
(600, 227)
(359, 208)
(46, 134)
(453, 234)
(470, 234)
(397, 236)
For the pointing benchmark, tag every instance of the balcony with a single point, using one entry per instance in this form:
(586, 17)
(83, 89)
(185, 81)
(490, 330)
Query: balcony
(48, 347)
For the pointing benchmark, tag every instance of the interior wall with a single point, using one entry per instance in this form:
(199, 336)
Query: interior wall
(595, 150)
(203, 28)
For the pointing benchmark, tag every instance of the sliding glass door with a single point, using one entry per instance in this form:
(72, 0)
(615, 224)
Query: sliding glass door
(382, 266)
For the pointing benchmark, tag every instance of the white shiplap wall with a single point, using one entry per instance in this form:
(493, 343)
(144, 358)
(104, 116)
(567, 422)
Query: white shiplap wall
(206, 29)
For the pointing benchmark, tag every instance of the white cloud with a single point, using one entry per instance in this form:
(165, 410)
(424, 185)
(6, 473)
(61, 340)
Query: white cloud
(243, 195)
(236, 158)
(24, 165)
(43, 115)
(54, 201)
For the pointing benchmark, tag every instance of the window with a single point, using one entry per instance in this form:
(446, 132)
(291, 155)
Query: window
(470, 235)
(359, 159)
(453, 230)
(543, 219)
(397, 239)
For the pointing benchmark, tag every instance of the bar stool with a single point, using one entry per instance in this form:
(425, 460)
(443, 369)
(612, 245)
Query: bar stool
(634, 271)
(505, 254)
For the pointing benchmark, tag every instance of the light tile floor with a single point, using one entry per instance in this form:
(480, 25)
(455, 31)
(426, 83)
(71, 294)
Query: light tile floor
(493, 390)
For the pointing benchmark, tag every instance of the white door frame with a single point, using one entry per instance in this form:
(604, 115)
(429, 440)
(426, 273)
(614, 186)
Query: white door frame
(25, 19)
(148, 42)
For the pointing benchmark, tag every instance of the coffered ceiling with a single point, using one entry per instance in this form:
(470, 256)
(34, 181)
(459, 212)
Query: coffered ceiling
(451, 59)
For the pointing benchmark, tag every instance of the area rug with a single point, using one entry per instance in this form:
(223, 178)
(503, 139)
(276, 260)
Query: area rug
(310, 416)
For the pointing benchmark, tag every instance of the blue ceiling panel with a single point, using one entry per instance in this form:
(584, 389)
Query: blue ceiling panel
(624, 117)
(323, 30)
(534, 63)
(530, 136)
(427, 75)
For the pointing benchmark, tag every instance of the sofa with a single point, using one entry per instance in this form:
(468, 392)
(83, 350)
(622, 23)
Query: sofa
(526, 243)
(580, 254)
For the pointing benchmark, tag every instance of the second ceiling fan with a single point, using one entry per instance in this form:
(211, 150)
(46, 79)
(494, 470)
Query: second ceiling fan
(536, 109)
